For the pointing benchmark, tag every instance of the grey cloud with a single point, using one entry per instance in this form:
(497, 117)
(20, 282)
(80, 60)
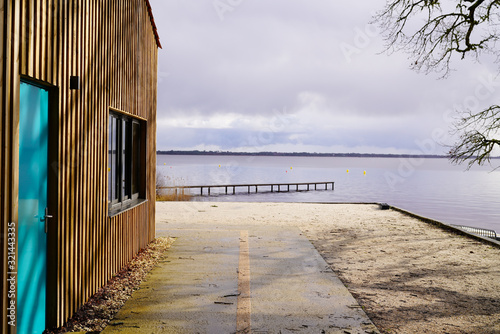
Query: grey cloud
(265, 55)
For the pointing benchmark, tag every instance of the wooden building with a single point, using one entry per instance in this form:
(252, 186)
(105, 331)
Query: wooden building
(77, 151)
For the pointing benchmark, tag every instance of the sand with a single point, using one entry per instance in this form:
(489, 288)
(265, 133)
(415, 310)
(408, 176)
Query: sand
(408, 275)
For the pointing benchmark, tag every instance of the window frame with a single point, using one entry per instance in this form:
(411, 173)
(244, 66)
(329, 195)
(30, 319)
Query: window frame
(123, 148)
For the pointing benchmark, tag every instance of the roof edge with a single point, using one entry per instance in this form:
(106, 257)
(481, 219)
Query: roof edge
(153, 24)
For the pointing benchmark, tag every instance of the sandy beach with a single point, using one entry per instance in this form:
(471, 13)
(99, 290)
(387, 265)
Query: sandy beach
(408, 275)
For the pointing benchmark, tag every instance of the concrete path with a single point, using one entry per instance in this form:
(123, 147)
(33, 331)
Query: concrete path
(241, 279)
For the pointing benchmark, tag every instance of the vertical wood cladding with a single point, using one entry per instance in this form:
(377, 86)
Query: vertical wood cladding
(112, 46)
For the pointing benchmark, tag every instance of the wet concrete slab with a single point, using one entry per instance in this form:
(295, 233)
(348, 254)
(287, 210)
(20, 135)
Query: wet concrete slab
(197, 288)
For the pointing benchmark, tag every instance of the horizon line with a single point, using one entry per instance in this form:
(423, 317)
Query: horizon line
(272, 153)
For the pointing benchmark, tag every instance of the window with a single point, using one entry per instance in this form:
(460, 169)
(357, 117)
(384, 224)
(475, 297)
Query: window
(126, 158)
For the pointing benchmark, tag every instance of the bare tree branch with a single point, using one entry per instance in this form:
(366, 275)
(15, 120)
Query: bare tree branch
(432, 32)
(477, 137)
(471, 27)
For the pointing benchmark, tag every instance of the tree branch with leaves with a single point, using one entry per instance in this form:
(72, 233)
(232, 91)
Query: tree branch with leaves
(433, 32)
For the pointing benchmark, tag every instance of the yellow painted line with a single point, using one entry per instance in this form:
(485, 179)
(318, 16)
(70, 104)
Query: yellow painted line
(244, 308)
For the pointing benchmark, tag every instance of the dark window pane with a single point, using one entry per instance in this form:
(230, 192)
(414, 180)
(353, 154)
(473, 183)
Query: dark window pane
(126, 152)
(112, 159)
(136, 140)
(122, 156)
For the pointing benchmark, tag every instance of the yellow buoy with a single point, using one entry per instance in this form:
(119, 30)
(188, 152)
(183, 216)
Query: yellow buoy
(291, 167)
(364, 173)
(164, 163)
(219, 166)
(348, 171)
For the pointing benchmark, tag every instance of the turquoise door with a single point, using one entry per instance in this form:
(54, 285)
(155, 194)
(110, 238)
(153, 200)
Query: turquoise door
(32, 240)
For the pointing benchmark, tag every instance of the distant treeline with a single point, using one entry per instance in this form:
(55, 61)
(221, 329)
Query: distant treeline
(302, 154)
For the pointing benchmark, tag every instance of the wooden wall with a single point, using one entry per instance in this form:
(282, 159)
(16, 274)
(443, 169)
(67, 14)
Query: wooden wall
(113, 46)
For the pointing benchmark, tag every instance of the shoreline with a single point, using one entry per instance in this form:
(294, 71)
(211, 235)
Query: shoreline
(448, 227)
(304, 154)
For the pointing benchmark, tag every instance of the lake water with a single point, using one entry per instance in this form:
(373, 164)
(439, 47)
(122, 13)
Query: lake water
(433, 188)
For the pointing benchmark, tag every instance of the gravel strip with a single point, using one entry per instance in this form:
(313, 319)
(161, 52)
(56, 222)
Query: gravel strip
(102, 307)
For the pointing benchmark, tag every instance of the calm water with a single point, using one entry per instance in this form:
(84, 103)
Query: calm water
(429, 187)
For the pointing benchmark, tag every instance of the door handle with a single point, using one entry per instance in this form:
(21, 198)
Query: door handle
(46, 218)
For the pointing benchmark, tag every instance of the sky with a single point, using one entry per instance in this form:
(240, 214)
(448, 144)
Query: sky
(301, 76)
